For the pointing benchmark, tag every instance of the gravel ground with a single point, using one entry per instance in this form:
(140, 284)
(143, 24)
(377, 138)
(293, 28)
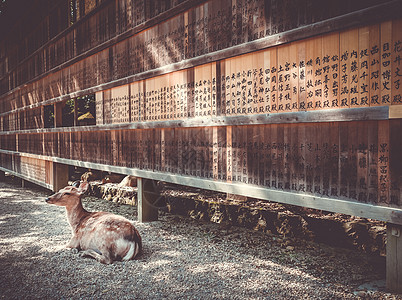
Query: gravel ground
(183, 259)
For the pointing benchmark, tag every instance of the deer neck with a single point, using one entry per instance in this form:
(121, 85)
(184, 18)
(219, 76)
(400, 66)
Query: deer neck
(75, 214)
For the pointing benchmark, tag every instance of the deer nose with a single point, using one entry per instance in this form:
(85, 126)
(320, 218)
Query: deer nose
(47, 199)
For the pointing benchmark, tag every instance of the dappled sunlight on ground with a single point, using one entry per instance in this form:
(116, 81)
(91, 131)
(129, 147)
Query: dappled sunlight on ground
(182, 258)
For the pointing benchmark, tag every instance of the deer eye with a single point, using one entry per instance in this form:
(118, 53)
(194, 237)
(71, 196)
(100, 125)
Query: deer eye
(67, 193)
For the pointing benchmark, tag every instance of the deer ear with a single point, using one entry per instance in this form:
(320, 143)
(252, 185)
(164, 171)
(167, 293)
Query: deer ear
(83, 188)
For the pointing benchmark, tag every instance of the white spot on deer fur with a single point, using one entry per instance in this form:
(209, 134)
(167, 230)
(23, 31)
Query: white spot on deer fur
(97, 230)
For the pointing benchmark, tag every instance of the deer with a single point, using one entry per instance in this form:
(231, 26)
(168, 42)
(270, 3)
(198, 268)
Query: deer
(105, 236)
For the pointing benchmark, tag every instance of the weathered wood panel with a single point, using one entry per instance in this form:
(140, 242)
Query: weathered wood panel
(300, 158)
(237, 93)
(339, 70)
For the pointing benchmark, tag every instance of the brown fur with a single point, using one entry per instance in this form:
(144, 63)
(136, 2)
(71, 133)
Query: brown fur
(104, 236)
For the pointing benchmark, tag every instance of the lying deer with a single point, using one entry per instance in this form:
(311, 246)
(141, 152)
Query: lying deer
(104, 236)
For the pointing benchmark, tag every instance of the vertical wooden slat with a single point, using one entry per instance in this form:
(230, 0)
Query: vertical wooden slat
(383, 162)
(284, 102)
(229, 154)
(385, 63)
(396, 72)
(274, 79)
(363, 65)
(348, 61)
(395, 164)
(330, 71)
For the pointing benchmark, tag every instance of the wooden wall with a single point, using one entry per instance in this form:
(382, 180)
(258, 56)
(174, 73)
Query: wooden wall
(301, 97)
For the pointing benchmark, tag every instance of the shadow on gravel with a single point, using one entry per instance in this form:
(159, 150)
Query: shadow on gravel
(182, 258)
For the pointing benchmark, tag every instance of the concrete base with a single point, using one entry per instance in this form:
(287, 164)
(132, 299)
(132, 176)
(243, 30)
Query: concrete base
(394, 258)
(60, 176)
(148, 198)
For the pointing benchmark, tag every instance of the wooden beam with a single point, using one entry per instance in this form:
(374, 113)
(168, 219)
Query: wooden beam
(395, 111)
(330, 115)
(60, 176)
(37, 182)
(349, 207)
(147, 199)
(394, 258)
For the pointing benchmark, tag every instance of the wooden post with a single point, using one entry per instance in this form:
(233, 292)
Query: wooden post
(60, 176)
(75, 112)
(58, 114)
(148, 198)
(2, 176)
(394, 258)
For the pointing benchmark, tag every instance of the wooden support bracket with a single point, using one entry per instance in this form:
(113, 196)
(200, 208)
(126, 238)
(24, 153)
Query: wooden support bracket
(394, 258)
(148, 198)
(60, 176)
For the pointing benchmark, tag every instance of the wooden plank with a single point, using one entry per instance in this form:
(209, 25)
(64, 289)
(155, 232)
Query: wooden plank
(301, 61)
(377, 13)
(255, 135)
(373, 162)
(348, 73)
(215, 154)
(370, 34)
(384, 213)
(385, 63)
(273, 53)
(334, 149)
(395, 164)
(330, 70)
(374, 58)
(294, 76)
(313, 74)
(309, 156)
(134, 99)
(352, 114)
(352, 159)
(383, 162)
(229, 154)
(283, 77)
(119, 106)
(245, 102)
(396, 73)
(288, 170)
(190, 93)
(363, 65)
(394, 258)
(362, 161)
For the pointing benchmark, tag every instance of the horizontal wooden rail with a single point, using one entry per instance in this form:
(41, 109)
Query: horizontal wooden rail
(382, 213)
(330, 115)
(24, 177)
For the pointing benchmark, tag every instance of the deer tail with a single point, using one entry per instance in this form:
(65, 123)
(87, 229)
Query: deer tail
(132, 252)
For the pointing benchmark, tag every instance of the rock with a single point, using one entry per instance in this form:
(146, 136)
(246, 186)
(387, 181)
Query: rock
(129, 180)
(112, 178)
(91, 175)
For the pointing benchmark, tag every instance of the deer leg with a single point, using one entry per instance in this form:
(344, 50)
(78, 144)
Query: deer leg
(73, 243)
(97, 255)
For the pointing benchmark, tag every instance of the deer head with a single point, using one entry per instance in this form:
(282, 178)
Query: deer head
(68, 196)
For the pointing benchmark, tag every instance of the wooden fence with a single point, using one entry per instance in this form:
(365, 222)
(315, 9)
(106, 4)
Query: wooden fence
(291, 101)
